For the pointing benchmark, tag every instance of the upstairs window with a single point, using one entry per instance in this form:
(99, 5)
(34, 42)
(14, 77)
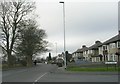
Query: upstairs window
(118, 44)
(112, 45)
(104, 47)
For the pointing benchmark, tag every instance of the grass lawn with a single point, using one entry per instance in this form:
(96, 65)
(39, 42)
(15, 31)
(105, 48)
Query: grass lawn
(76, 68)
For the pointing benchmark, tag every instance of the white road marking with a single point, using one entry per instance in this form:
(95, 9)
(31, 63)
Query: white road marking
(60, 67)
(40, 77)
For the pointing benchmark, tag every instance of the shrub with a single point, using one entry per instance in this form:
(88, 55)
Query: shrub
(23, 62)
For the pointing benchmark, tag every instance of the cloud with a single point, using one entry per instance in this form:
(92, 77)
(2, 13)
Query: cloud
(86, 22)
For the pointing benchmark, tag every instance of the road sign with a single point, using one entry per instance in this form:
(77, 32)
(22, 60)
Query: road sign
(110, 62)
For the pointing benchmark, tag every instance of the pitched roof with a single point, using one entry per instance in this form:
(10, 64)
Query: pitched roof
(96, 45)
(113, 39)
(79, 50)
(84, 48)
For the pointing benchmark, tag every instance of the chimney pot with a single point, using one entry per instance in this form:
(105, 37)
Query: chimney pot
(97, 42)
(83, 46)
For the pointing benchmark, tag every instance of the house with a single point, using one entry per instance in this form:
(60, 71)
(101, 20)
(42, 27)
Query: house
(103, 50)
(78, 54)
(94, 54)
(110, 48)
(85, 53)
(73, 56)
(100, 50)
(106, 51)
(60, 56)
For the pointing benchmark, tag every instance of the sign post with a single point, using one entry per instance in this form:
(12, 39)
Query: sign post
(111, 63)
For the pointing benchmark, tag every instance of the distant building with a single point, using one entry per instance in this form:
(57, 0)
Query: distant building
(60, 56)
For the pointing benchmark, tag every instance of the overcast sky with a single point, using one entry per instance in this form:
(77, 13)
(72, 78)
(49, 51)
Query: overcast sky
(86, 22)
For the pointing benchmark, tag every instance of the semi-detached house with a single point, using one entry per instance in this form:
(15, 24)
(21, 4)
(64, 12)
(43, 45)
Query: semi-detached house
(109, 48)
(94, 54)
(98, 52)
(80, 53)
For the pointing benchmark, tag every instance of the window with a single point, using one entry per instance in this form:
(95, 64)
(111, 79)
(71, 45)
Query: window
(104, 47)
(110, 58)
(86, 52)
(112, 45)
(90, 51)
(97, 59)
(118, 44)
(100, 48)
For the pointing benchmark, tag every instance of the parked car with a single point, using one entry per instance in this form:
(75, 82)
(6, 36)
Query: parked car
(60, 62)
(46, 62)
(53, 62)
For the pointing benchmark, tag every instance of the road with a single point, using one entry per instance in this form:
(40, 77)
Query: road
(27, 74)
(52, 73)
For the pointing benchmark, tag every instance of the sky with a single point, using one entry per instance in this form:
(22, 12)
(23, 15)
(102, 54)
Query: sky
(85, 22)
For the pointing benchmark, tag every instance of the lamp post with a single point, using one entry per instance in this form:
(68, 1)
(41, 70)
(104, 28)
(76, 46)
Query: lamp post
(64, 32)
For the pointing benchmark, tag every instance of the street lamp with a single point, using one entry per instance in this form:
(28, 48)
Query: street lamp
(64, 32)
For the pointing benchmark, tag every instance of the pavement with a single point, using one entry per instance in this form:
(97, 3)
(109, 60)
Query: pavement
(52, 73)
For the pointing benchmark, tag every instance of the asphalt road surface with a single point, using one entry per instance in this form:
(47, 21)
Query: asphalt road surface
(52, 73)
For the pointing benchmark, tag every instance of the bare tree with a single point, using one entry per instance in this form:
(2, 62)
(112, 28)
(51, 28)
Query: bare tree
(11, 15)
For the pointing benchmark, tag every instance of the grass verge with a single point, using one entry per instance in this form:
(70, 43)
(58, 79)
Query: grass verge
(5, 66)
(93, 69)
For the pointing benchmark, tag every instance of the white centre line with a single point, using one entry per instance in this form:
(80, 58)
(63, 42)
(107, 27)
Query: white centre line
(40, 77)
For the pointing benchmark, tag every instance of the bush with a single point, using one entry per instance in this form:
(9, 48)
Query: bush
(23, 62)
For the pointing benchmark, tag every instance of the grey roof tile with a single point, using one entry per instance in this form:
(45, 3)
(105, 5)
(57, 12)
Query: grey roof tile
(113, 39)
(96, 45)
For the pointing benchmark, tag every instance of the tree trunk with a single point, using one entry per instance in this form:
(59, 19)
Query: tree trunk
(10, 61)
(29, 61)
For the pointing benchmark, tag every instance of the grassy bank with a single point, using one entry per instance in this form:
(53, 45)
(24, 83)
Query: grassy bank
(93, 69)
(5, 66)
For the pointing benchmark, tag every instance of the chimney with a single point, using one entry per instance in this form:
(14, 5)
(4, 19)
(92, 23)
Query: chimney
(97, 42)
(83, 46)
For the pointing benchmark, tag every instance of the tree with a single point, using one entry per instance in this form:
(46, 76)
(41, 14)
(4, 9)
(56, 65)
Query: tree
(31, 41)
(68, 56)
(11, 15)
(49, 58)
